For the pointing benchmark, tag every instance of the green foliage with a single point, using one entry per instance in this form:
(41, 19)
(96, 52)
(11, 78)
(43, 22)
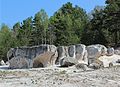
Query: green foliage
(95, 33)
(69, 25)
(26, 30)
(112, 19)
(68, 22)
(6, 41)
(40, 23)
(103, 28)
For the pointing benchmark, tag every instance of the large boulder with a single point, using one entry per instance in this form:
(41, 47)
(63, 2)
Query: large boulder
(96, 64)
(43, 54)
(62, 52)
(18, 63)
(117, 52)
(2, 63)
(81, 66)
(81, 53)
(47, 58)
(68, 61)
(110, 60)
(74, 54)
(95, 51)
(110, 51)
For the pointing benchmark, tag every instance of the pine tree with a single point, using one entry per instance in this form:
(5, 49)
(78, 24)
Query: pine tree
(68, 22)
(40, 22)
(26, 31)
(112, 19)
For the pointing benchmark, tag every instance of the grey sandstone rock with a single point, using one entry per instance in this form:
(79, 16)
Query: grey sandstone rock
(110, 60)
(68, 61)
(80, 52)
(18, 63)
(71, 51)
(110, 51)
(62, 52)
(117, 52)
(2, 62)
(73, 54)
(81, 66)
(95, 51)
(93, 56)
(25, 57)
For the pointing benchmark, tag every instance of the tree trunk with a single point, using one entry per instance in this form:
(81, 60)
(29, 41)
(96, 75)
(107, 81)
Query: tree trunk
(116, 37)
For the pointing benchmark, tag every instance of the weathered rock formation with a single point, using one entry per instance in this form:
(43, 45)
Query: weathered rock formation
(70, 55)
(35, 56)
(2, 62)
(110, 60)
(93, 56)
(110, 51)
(100, 56)
(117, 52)
(94, 52)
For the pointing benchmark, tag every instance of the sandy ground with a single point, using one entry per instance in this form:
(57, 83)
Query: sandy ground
(60, 77)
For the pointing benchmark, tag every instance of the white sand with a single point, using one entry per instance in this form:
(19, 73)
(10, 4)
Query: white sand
(60, 77)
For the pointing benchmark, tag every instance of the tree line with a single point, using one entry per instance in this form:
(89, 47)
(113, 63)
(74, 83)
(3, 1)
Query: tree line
(68, 25)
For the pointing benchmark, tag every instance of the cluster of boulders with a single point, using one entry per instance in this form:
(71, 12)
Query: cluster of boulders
(35, 56)
(94, 56)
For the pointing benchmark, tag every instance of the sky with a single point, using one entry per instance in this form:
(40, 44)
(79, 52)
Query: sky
(12, 11)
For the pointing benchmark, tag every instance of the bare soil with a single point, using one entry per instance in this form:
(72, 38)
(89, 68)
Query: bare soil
(60, 77)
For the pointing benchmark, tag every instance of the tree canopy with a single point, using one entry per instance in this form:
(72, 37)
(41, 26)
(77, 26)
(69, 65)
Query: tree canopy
(69, 25)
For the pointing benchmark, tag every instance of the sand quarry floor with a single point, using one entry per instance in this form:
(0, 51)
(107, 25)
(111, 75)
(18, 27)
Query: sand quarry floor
(60, 77)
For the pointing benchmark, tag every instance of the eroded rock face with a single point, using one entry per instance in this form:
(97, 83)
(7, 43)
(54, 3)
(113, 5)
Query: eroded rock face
(68, 61)
(74, 54)
(96, 64)
(43, 54)
(44, 60)
(62, 52)
(93, 56)
(81, 53)
(117, 52)
(95, 51)
(110, 60)
(18, 63)
(110, 51)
